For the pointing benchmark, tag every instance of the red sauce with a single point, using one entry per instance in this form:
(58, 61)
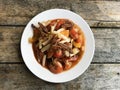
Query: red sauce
(62, 63)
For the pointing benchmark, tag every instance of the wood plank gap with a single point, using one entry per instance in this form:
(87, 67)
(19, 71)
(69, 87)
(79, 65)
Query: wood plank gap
(105, 63)
(90, 26)
(11, 62)
(105, 27)
(13, 25)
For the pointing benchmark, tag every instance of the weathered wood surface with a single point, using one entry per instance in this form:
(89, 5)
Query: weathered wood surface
(10, 44)
(97, 77)
(102, 16)
(107, 44)
(96, 13)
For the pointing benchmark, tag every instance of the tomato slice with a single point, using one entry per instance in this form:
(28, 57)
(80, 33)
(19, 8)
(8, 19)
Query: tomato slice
(58, 53)
(53, 22)
(73, 34)
(61, 21)
(79, 39)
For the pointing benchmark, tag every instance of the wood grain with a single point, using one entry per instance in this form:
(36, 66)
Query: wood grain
(97, 77)
(107, 42)
(103, 16)
(10, 44)
(96, 13)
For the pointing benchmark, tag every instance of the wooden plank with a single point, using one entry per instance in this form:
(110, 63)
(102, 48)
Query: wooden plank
(107, 45)
(97, 77)
(107, 42)
(10, 44)
(96, 13)
(99, 13)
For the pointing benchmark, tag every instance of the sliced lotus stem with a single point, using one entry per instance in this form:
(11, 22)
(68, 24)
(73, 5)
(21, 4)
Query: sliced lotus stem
(45, 48)
(44, 60)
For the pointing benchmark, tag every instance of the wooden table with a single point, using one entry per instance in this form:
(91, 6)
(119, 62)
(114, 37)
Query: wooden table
(104, 20)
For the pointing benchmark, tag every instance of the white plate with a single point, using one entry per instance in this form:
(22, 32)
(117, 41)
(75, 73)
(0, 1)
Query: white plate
(36, 68)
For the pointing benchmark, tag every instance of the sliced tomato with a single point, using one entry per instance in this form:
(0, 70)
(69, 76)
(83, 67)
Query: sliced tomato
(58, 53)
(61, 21)
(73, 34)
(53, 22)
(79, 39)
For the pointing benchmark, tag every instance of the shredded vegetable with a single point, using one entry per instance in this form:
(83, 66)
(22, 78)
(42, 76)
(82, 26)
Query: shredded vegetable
(58, 44)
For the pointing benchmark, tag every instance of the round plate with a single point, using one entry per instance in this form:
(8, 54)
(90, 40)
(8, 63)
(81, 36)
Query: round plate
(36, 68)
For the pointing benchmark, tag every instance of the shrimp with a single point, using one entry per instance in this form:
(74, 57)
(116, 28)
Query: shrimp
(55, 66)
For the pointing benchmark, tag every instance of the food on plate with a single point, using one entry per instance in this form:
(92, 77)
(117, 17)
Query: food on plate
(57, 44)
